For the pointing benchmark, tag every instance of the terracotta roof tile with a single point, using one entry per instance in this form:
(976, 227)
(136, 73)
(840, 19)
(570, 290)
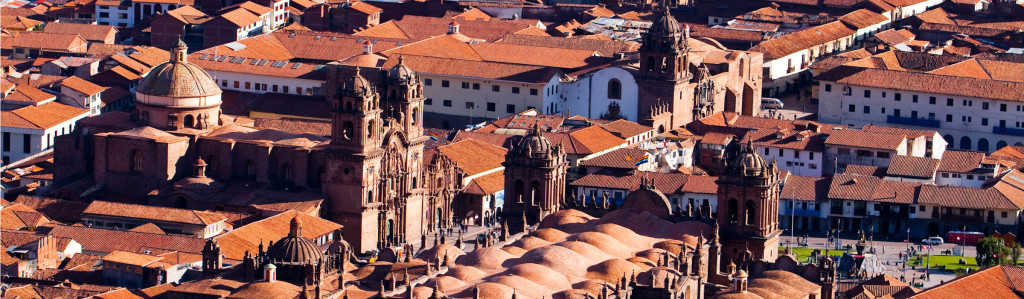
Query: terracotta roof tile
(235, 243)
(17, 22)
(149, 228)
(474, 157)
(912, 167)
(28, 95)
(327, 46)
(624, 158)
(478, 69)
(419, 28)
(44, 116)
(852, 187)
(252, 7)
(240, 17)
(960, 161)
(994, 282)
(894, 37)
(863, 18)
(88, 32)
(626, 129)
(262, 47)
(49, 41)
(264, 67)
(129, 258)
(789, 139)
(701, 184)
(717, 138)
(965, 197)
(604, 47)
(57, 209)
(365, 8)
(862, 139)
(925, 82)
(806, 188)
(804, 39)
(487, 184)
(86, 87)
(101, 240)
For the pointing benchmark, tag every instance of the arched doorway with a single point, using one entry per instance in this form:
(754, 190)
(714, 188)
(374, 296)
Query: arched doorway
(965, 143)
(949, 140)
(190, 121)
(983, 145)
(180, 202)
(1000, 144)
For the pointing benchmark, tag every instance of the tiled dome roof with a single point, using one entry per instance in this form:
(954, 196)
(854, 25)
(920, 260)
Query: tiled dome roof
(665, 25)
(178, 78)
(357, 85)
(401, 73)
(294, 249)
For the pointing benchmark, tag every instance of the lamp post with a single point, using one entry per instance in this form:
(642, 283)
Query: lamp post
(906, 257)
(872, 228)
(963, 248)
(792, 219)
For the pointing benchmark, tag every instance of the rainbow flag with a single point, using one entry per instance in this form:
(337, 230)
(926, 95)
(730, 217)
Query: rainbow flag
(642, 160)
(432, 135)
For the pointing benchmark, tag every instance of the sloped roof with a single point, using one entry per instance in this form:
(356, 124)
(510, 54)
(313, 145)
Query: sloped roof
(626, 129)
(960, 161)
(152, 213)
(43, 116)
(806, 188)
(473, 156)
(862, 139)
(486, 184)
(624, 158)
(89, 32)
(240, 17)
(49, 41)
(604, 47)
(912, 167)
(478, 69)
(801, 40)
(102, 240)
(235, 243)
(863, 18)
(86, 87)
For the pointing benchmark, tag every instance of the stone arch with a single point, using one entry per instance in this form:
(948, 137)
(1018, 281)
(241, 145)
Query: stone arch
(650, 63)
(1000, 144)
(519, 188)
(965, 143)
(749, 213)
(348, 105)
(369, 129)
(534, 189)
(189, 121)
(734, 216)
(348, 130)
(983, 145)
(661, 129)
(614, 89)
(949, 140)
(414, 118)
(1018, 144)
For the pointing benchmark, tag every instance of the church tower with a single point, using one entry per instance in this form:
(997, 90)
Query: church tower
(534, 179)
(405, 99)
(748, 206)
(356, 115)
(664, 71)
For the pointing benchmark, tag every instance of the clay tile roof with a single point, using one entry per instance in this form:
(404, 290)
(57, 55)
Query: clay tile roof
(487, 184)
(863, 18)
(620, 158)
(24, 94)
(893, 36)
(853, 187)
(86, 87)
(478, 69)
(474, 157)
(7, 260)
(420, 27)
(701, 184)
(252, 7)
(149, 227)
(910, 133)
(801, 40)
(912, 167)
(960, 161)
(17, 22)
(129, 258)
(240, 17)
(322, 46)
(365, 8)
(89, 32)
(925, 82)
(121, 293)
(895, 192)
(255, 66)
(717, 138)
(57, 209)
(235, 243)
(387, 29)
(626, 129)
(806, 188)
(667, 183)
(102, 240)
(49, 41)
(604, 47)
(862, 139)
(965, 197)
(967, 68)
(44, 116)
(150, 133)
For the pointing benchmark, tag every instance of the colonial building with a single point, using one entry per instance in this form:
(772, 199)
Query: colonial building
(748, 206)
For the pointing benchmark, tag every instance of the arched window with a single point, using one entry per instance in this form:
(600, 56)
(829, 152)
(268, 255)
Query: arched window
(211, 168)
(949, 140)
(733, 211)
(369, 129)
(190, 121)
(348, 130)
(519, 190)
(965, 143)
(614, 89)
(661, 129)
(1000, 144)
(749, 217)
(136, 163)
(650, 64)
(983, 145)
(534, 189)
(415, 115)
(348, 105)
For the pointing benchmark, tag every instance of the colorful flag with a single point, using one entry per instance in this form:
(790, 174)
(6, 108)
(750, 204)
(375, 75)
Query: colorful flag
(432, 135)
(643, 160)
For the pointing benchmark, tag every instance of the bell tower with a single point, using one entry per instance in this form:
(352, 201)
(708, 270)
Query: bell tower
(664, 72)
(748, 205)
(355, 115)
(405, 99)
(534, 179)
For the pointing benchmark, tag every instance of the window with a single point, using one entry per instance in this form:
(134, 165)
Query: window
(867, 93)
(445, 83)
(867, 109)
(248, 85)
(968, 103)
(1002, 107)
(796, 154)
(614, 89)
(7, 142)
(491, 106)
(122, 16)
(949, 118)
(136, 163)
(828, 87)
(26, 142)
(428, 101)
(495, 88)
(984, 105)
(515, 89)
(984, 121)
(476, 86)
(853, 108)
(104, 14)
(1003, 214)
(465, 85)
(428, 82)
(236, 84)
(284, 88)
(470, 105)
(898, 97)
(883, 155)
(446, 103)
(781, 153)
(931, 100)
(914, 98)
(812, 166)
(533, 91)
(510, 108)
(883, 94)
(949, 102)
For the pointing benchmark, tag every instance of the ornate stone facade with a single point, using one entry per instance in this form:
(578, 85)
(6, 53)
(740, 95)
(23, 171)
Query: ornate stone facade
(748, 206)
(534, 179)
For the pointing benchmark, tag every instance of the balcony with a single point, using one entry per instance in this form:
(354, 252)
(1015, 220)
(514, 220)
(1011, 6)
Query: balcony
(1007, 131)
(920, 122)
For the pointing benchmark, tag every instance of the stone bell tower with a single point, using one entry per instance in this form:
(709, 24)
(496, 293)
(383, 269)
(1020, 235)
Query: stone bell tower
(534, 179)
(748, 206)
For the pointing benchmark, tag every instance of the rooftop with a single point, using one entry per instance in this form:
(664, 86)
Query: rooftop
(152, 213)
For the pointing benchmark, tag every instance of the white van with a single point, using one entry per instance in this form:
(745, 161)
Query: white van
(771, 103)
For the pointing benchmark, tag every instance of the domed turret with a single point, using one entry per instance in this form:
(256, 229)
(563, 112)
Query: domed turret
(357, 85)
(178, 78)
(534, 143)
(294, 249)
(748, 162)
(400, 73)
(665, 25)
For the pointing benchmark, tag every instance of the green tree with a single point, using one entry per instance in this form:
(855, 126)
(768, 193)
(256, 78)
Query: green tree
(1015, 252)
(992, 252)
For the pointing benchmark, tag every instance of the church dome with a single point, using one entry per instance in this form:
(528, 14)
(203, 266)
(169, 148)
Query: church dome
(294, 249)
(535, 142)
(749, 162)
(357, 85)
(400, 73)
(178, 78)
(664, 26)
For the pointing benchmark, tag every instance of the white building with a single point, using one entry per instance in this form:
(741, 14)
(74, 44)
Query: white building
(799, 152)
(75, 91)
(120, 13)
(972, 112)
(30, 130)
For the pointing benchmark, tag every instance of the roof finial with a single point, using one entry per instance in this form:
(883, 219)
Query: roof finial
(296, 227)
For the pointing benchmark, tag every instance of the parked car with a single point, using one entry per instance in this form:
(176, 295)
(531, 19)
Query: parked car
(932, 241)
(771, 103)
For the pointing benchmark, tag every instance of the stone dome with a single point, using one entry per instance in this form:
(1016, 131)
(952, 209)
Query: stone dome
(535, 142)
(401, 73)
(178, 78)
(294, 249)
(749, 162)
(357, 85)
(665, 25)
